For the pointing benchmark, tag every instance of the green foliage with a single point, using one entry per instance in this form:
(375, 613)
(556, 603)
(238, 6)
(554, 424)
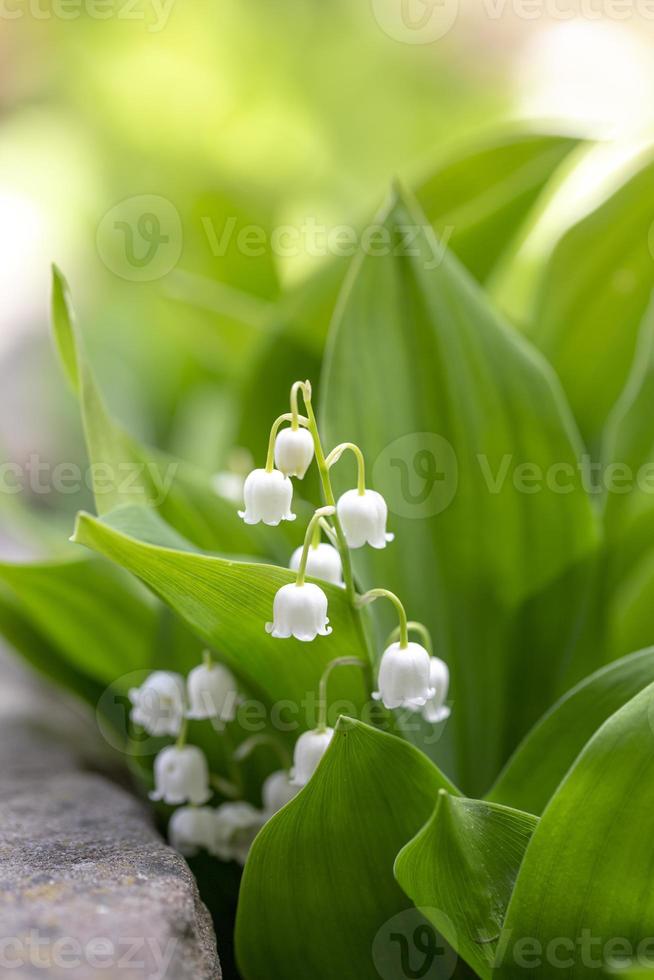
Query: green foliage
(322, 868)
(474, 554)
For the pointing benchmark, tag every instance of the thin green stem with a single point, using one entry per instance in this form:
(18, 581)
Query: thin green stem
(322, 690)
(329, 531)
(308, 537)
(368, 597)
(418, 628)
(317, 531)
(207, 659)
(183, 732)
(328, 493)
(247, 747)
(286, 417)
(295, 389)
(224, 786)
(336, 454)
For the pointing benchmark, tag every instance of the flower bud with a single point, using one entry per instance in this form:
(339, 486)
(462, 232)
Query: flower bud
(299, 611)
(309, 750)
(192, 828)
(268, 498)
(363, 518)
(323, 562)
(158, 704)
(293, 451)
(277, 791)
(435, 709)
(236, 825)
(404, 677)
(212, 693)
(181, 775)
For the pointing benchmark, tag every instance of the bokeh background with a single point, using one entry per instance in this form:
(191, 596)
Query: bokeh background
(249, 115)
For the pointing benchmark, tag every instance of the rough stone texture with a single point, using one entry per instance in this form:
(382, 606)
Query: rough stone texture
(87, 887)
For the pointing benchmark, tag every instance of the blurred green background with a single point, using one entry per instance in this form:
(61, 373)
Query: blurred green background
(240, 118)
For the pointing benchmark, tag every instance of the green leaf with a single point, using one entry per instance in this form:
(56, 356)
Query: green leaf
(541, 761)
(38, 649)
(318, 897)
(100, 621)
(462, 866)
(587, 873)
(227, 604)
(481, 198)
(586, 323)
(448, 404)
(125, 473)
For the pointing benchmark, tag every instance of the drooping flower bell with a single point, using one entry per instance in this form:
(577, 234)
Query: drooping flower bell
(309, 750)
(158, 704)
(212, 692)
(293, 451)
(404, 677)
(236, 825)
(181, 775)
(191, 829)
(435, 709)
(299, 611)
(363, 518)
(277, 791)
(268, 496)
(323, 561)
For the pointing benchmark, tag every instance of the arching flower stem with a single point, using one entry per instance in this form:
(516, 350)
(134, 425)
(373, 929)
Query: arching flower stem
(368, 597)
(308, 537)
(336, 454)
(247, 747)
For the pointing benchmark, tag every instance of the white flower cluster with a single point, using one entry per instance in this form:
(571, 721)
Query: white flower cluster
(162, 703)
(181, 772)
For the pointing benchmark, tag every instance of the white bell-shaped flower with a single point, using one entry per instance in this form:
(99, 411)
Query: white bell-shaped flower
(435, 709)
(363, 518)
(158, 704)
(268, 498)
(236, 825)
(181, 775)
(277, 791)
(212, 693)
(192, 828)
(404, 677)
(323, 562)
(299, 611)
(293, 451)
(309, 750)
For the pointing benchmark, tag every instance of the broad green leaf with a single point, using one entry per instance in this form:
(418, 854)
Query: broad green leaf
(452, 408)
(587, 873)
(125, 473)
(541, 761)
(480, 199)
(227, 604)
(100, 621)
(318, 897)
(20, 632)
(592, 298)
(628, 467)
(462, 866)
